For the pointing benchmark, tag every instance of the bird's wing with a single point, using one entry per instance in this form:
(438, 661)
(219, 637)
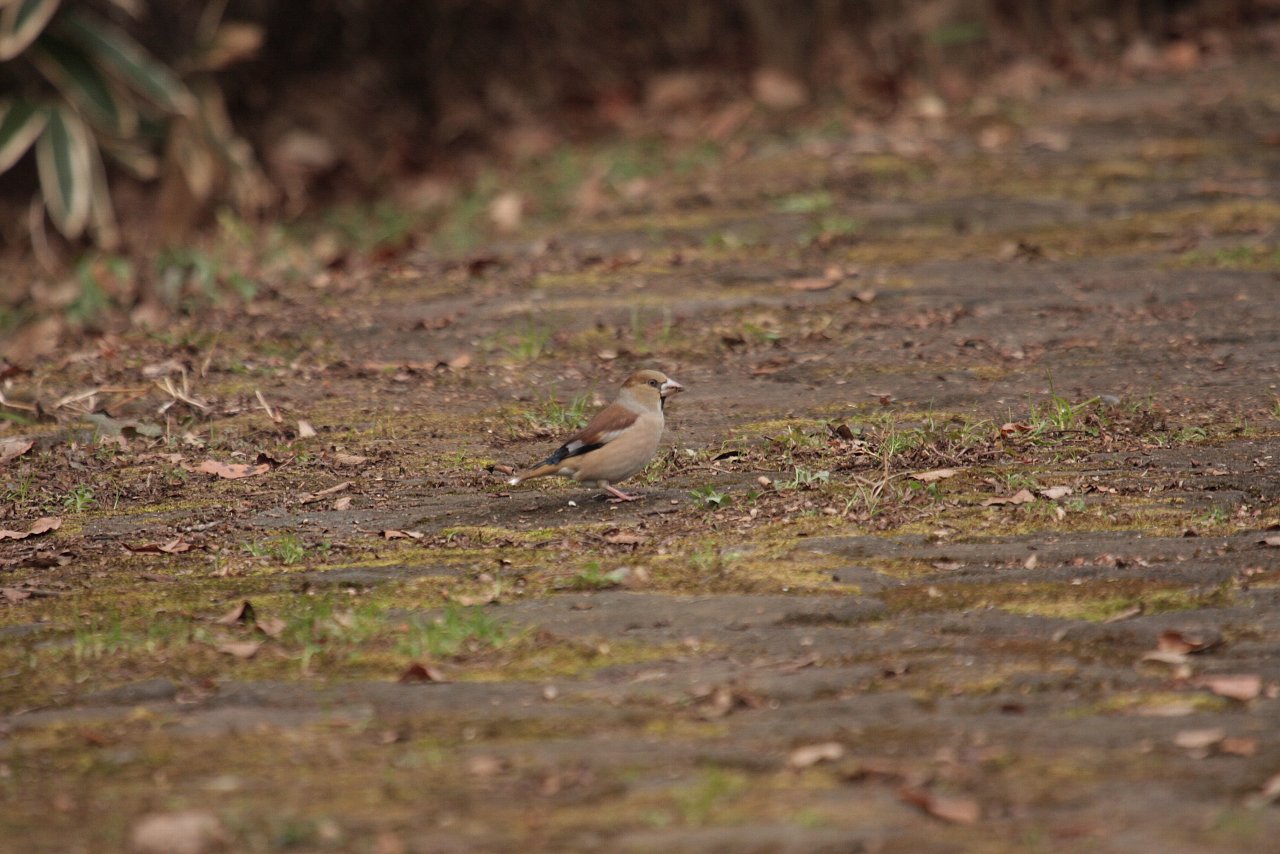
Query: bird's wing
(608, 424)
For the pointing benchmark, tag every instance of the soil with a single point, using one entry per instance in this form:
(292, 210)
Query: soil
(963, 536)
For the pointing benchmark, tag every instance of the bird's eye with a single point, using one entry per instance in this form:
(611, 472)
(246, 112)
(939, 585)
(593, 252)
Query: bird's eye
(653, 383)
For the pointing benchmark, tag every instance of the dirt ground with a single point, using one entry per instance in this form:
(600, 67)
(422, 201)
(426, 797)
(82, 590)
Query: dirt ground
(964, 536)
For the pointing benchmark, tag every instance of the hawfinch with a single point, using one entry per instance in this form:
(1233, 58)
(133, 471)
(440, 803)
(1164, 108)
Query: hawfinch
(618, 442)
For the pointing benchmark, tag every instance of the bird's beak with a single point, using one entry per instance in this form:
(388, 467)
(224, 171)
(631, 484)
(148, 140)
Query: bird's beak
(670, 387)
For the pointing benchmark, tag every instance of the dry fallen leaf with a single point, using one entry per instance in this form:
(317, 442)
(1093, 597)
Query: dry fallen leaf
(270, 626)
(40, 526)
(813, 284)
(241, 613)
(622, 538)
(957, 810)
(1172, 640)
(305, 430)
(243, 650)
(11, 449)
(173, 547)
(485, 766)
(316, 496)
(1053, 493)
(349, 459)
(392, 534)
(1022, 496)
(1239, 746)
(1199, 739)
(1013, 428)
(233, 471)
(422, 673)
(187, 832)
(933, 475)
(507, 211)
(1234, 686)
(468, 601)
(343, 503)
(812, 754)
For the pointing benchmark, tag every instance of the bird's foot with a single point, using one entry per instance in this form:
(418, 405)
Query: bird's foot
(619, 496)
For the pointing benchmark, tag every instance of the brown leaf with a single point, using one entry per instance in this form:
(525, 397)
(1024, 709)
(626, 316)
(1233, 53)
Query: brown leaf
(933, 475)
(243, 650)
(305, 430)
(173, 547)
(343, 503)
(40, 526)
(842, 431)
(468, 601)
(1239, 746)
(778, 89)
(814, 284)
(506, 211)
(422, 673)
(1013, 428)
(460, 361)
(241, 613)
(1199, 739)
(812, 754)
(622, 538)
(270, 626)
(1053, 493)
(392, 534)
(1022, 496)
(485, 766)
(1235, 686)
(11, 449)
(45, 524)
(186, 832)
(957, 810)
(349, 459)
(316, 496)
(48, 559)
(233, 471)
(1172, 640)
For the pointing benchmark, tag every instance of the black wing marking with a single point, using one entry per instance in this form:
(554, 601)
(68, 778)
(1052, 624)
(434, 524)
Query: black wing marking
(570, 449)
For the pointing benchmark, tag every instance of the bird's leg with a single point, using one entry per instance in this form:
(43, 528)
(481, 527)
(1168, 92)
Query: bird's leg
(619, 495)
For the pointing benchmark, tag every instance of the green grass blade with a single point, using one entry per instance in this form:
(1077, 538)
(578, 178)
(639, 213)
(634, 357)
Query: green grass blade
(64, 162)
(20, 124)
(21, 23)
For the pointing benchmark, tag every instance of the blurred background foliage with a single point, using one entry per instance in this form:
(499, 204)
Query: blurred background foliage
(127, 124)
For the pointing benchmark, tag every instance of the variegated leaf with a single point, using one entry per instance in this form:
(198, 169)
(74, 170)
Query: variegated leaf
(102, 216)
(132, 155)
(21, 22)
(113, 50)
(64, 161)
(20, 124)
(70, 69)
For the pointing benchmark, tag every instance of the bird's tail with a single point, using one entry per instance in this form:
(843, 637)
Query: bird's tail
(537, 471)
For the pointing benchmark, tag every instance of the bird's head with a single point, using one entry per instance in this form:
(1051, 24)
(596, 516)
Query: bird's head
(653, 387)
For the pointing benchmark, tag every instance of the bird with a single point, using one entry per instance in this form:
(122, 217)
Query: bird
(618, 442)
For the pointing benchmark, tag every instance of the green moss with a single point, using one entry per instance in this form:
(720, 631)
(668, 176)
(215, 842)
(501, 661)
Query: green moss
(1094, 601)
